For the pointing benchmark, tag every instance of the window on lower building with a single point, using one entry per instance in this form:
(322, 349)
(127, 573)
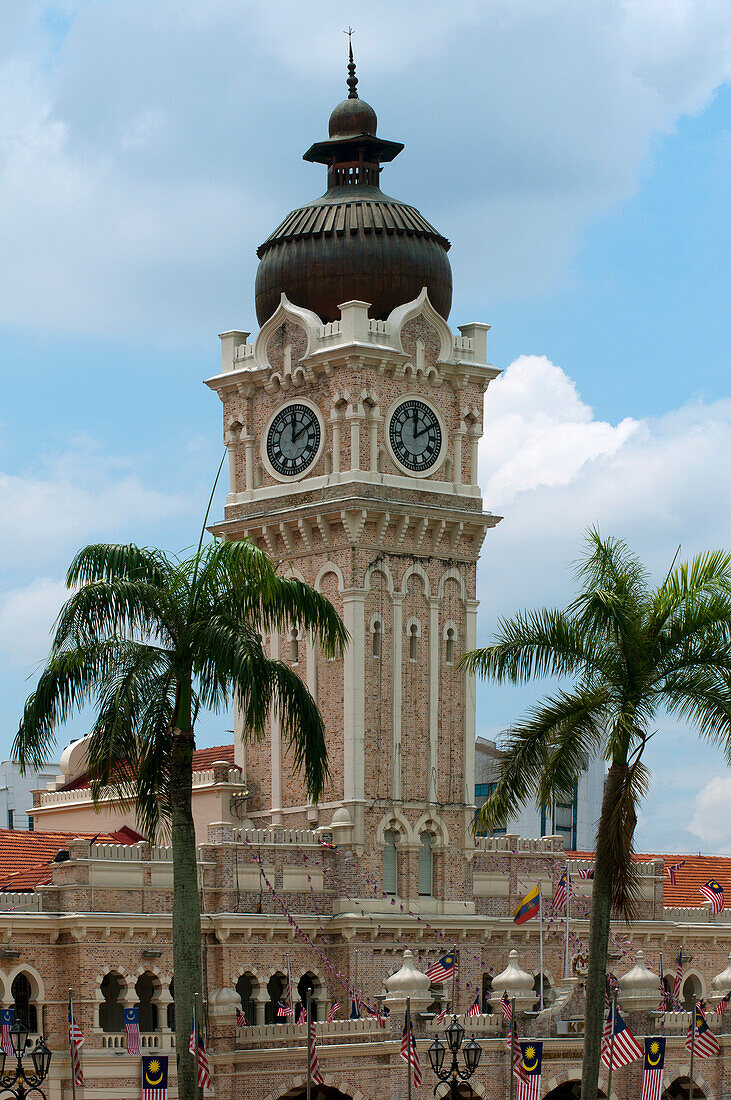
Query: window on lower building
(24, 1010)
(11, 819)
(426, 865)
(245, 990)
(377, 639)
(390, 863)
(414, 643)
(146, 988)
(111, 1010)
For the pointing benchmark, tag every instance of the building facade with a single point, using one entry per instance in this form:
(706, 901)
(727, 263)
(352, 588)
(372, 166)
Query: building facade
(15, 793)
(352, 422)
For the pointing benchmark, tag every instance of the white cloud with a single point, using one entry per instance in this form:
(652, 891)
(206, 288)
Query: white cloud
(711, 821)
(26, 617)
(146, 151)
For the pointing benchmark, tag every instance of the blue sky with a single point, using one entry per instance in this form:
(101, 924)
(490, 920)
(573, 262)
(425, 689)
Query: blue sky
(578, 157)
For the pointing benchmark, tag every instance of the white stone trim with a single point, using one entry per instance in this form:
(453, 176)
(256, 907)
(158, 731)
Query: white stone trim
(420, 305)
(396, 696)
(379, 567)
(286, 311)
(452, 574)
(415, 570)
(354, 696)
(329, 567)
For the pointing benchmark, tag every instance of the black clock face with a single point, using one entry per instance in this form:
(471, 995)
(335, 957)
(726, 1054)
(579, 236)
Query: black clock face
(415, 435)
(293, 439)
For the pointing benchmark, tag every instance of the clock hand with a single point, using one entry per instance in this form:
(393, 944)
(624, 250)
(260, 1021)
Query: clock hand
(295, 436)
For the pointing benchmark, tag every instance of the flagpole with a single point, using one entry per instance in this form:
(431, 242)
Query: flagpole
(611, 1045)
(692, 1054)
(540, 921)
(512, 1050)
(73, 1071)
(408, 1040)
(454, 976)
(308, 1002)
(568, 903)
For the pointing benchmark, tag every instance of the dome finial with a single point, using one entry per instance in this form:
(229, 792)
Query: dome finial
(352, 80)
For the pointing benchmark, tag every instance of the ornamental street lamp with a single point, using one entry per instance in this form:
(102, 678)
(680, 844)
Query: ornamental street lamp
(19, 1081)
(471, 1052)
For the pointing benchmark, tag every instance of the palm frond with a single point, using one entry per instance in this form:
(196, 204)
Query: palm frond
(538, 643)
(109, 561)
(302, 727)
(112, 608)
(703, 699)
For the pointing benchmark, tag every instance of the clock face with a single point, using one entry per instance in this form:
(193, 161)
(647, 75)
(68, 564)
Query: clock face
(415, 435)
(293, 439)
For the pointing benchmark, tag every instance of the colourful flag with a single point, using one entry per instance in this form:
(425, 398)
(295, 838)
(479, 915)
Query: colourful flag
(714, 892)
(409, 1053)
(76, 1042)
(678, 983)
(653, 1068)
(626, 1047)
(6, 1017)
(563, 891)
(284, 1010)
(438, 1019)
(302, 1016)
(723, 1004)
(672, 870)
(154, 1077)
(528, 907)
(474, 1009)
(333, 1009)
(314, 1064)
(355, 1006)
(132, 1027)
(506, 1007)
(241, 1020)
(706, 1043)
(586, 872)
(197, 1048)
(442, 969)
(529, 1081)
(513, 1044)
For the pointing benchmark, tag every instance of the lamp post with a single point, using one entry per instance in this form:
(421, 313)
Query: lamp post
(471, 1052)
(18, 1080)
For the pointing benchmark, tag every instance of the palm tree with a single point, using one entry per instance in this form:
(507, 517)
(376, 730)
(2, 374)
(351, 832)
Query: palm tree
(630, 650)
(148, 641)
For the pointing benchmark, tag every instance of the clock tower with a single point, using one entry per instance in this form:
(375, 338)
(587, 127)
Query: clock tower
(352, 423)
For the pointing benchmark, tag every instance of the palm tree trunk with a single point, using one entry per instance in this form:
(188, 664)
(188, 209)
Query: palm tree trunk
(186, 905)
(601, 911)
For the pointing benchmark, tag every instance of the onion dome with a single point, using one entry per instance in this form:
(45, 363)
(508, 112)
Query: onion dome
(516, 983)
(354, 243)
(722, 982)
(638, 988)
(407, 982)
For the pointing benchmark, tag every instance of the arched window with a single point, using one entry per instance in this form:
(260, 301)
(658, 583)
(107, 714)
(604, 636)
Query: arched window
(294, 647)
(549, 995)
(171, 1007)
(307, 981)
(390, 863)
(111, 1012)
(25, 1011)
(377, 638)
(486, 992)
(275, 988)
(145, 988)
(449, 646)
(426, 864)
(413, 642)
(692, 992)
(245, 989)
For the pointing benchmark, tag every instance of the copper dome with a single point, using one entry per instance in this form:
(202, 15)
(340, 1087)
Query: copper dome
(353, 243)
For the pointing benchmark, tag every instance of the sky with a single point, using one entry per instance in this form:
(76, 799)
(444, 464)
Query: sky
(577, 154)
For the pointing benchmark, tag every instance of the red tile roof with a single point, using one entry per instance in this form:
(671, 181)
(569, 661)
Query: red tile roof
(696, 871)
(202, 759)
(26, 857)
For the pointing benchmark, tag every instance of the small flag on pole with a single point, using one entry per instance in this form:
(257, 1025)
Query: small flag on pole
(714, 892)
(438, 1019)
(672, 870)
(706, 1043)
(333, 1009)
(474, 1009)
(241, 1020)
(586, 872)
(442, 970)
(314, 1064)
(409, 1052)
(723, 1004)
(529, 1080)
(197, 1048)
(528, 907)
(76, 1042)
(355, 1006)
(132, 1027)
(154, 1077)
(506, 1007)
(653, 1068)
(6, 1017)
(678, 983)
(284, 1010)
(562, 892)
(302, 1016)
(626, 1047)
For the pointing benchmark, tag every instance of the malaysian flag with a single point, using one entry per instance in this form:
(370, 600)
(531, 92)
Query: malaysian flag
(6, 1017)
(154, 1077)
(302, 1016)
(442, 969)
(474, 1009)
(678, 983)
(706, 1043)
(714, 892)
(355, 1006)
(283, 1010)
(438, 1019)
(409, 1052)
(562, 892)
(315, 1074)
(132, 1027)
(529, 1081)
(672, 870)
(653, 1068)
(664, 1005)
(333, 1009)
(513, 1044)
(506, 1007)
(76, 1042)
(241, 1020)
(586, 872)
(723, 1004)
(197, 1048)
(626, 1048)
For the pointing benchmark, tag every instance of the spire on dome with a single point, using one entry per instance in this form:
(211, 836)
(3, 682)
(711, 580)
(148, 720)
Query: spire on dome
(352, 80)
